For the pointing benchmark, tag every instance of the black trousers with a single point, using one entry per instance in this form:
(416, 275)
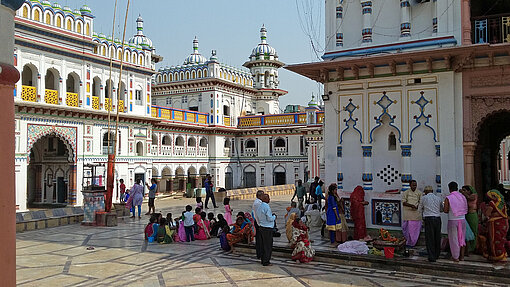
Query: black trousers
(433, 236)
(209, 194)
(258, 241)
(266, 234)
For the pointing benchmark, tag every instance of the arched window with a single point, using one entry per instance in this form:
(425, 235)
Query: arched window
(279, 143)
(139, 149)
(109, 89)
(166, 140)
(187, 75)
(227, 143)
(205, 73)
(119, 54)
(133, 58)
(72, 83)
(250, 144)
(176, 77)
(59, 21)
(105, 142)
(37, 15)
(158, 78)
(392, 142)
(203, 142)
(103, 50)
(96, 50)
(154, 139)
(25, 12)
(141, 61)
(179, 141)
(51, 80)
(96, 87)
(87, 29)
(169, 77)
(199, 73)
(28, 76)
(181, 76)
(164, 78)
(78, 28)
(69, 25)
(193, 74)
(192, 142)
(48, 19)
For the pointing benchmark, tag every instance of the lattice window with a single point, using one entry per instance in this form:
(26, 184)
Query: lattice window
(389, 174)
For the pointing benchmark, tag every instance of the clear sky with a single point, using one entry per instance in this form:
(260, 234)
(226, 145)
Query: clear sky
(229, 26)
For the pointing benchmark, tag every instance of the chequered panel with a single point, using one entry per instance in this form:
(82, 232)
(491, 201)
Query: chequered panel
(95, 103)
(28, 93)
(389, 174)
(72, 99)
(51, 97)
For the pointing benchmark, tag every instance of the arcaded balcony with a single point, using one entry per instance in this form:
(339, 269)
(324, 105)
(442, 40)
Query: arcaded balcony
(250, 151)
(202, 151)
(491, 29)
(179, 151)
(29, 93)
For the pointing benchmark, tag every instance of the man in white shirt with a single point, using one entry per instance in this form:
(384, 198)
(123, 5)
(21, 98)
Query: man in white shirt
(430, 206)
(266, 226)
(258, 239)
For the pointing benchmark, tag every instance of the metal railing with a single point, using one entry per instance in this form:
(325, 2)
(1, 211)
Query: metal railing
(29, 93)
(51, 97)
(491, 29)
(72, 99)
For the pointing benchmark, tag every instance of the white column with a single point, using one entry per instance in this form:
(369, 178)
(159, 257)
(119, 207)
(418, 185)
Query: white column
(366, 8)
(339, 18)
(367, 167)
(405, 24)
(406, 166)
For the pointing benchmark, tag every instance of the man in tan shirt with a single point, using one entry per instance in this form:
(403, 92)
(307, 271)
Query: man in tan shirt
(411, 226)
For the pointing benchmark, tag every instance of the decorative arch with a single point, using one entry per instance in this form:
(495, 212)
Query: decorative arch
(166, 172)
(385, 102)
(203, 170)
(179, 171)
(279, 168)
(279, 142)
(203, 142)
(351, 122)
(179, 141)
(66, 134)
(249, 168)
(192, 171)
(422, 119)
(250, 143)
(155, 172)
(192, 141)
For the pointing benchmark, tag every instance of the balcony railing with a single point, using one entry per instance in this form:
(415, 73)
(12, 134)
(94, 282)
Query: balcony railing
(278, 120)
(226, 151)
(108, 104)
(202, 151)
(250, 151)
(192, 150)
(72, 99)
(166, 150)
(226, 121)
(280, 151)
(179, 150)
(28, 93)
(121, 106)
(95, 103)
(179, 115)
(51, 97)
(154, 149)
(491, 29)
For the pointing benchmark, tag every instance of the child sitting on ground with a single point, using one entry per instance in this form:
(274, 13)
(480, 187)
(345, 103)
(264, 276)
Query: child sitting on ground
(223, 237)
(149, 230)
(165, 235)
(216, 226)
(200, 204)
(196, 219)
(170, 222)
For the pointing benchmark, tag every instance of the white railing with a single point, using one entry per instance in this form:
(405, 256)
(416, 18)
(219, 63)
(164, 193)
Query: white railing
(154, 149)
(250, 151)
(279, 151)
(192, 150)
(226, 151)
(166, 150)
(202, 151)
(179, 150)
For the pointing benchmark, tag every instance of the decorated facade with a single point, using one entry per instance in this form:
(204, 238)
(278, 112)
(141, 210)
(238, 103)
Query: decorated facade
(176, 124)
(401, 79)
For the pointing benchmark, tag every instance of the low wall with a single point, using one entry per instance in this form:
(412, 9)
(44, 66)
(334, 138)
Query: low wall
(40, 219)
(250, 193)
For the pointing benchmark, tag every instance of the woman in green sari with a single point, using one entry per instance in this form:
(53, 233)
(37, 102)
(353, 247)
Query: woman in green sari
(165, 234)
(472, 216)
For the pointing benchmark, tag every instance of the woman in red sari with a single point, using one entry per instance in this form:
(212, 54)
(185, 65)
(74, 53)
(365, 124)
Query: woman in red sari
(497, 226)
(358, 203)
(241, 231)
(302, 249)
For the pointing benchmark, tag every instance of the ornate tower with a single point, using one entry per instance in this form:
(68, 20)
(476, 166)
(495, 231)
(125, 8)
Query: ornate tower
(264, 65)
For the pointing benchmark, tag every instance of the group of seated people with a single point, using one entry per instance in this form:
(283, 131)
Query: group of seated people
(203, 226)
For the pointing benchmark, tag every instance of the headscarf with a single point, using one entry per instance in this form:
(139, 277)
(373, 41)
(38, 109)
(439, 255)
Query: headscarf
(299, 225)
(358, 194)
(472, 189)
(497, 199)
(288, 225)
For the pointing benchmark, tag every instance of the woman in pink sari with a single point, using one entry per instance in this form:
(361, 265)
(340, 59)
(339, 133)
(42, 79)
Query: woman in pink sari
(203, 228)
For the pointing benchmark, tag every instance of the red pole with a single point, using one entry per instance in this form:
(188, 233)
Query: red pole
(109, 182)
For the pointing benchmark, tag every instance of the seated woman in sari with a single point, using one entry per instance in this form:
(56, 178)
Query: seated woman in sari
(238, 233)
(203, 228)
(251, 222)
(288, 226)
(303, 251)
(165, 234)
(497, 226)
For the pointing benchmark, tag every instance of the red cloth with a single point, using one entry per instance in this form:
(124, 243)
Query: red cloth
(358, 213)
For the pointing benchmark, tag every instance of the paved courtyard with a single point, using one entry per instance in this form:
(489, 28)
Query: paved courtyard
(78, 255)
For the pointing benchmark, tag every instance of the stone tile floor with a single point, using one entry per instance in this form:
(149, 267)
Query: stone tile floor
(59, 257)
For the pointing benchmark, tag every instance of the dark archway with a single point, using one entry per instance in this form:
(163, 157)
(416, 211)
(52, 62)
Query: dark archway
(50, 173)
(491, 131)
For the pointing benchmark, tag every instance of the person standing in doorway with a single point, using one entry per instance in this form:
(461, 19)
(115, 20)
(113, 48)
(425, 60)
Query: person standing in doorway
(122, 188)
(300, 192)
(258, 239)
(209, 191)
(267, 222)
(152, 196)
(430, 207)
(411, 226)
(456, 206)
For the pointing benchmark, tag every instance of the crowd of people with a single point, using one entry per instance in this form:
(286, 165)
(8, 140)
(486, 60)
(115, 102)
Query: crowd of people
(476, 223)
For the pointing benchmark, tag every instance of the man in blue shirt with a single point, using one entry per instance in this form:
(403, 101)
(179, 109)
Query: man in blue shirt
(265, 220)
(209, 192)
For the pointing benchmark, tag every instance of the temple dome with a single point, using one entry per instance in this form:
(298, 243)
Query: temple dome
(195, 57)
